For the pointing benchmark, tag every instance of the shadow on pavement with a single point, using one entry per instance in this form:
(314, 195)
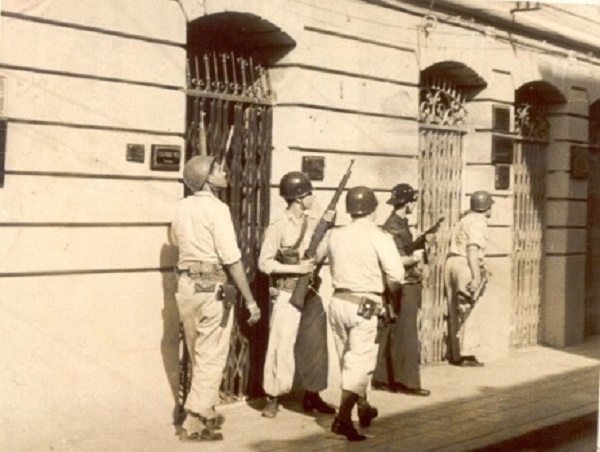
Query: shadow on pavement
(494, 414)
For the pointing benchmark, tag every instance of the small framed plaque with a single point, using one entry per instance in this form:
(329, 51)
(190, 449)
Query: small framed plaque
(314, 167)
(502, 176)
(136, 153)
(580, 164)
(501, 118)
(502, 149)
(165, 157)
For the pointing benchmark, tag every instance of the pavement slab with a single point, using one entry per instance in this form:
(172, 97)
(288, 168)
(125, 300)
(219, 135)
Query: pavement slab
(469, 408)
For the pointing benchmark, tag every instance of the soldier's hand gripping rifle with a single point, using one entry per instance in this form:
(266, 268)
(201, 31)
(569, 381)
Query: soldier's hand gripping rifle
(419, 242)
(305, 281)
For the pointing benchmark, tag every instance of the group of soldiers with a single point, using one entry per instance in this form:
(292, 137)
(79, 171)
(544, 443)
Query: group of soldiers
(374, 271)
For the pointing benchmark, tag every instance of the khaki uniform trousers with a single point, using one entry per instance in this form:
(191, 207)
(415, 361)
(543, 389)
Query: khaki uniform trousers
(355, 344)
(457, 275)
(208, 344)
(279, 369)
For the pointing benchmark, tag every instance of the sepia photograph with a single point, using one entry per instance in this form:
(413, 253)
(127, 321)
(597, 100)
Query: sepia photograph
(299, 225)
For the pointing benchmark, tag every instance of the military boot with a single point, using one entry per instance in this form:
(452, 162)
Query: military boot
(271, 408)
(366, 412)
(312, 401)
(207, 431)
(342, 424)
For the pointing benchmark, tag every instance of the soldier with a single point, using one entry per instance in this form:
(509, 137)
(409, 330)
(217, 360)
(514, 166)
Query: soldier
(208, 258)
(398, 360)
(285, 240)
(464, 273)
(362, 259)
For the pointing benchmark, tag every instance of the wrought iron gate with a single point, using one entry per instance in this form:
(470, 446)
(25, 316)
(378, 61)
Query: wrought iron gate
(440, 180)
(529, 168)
(230, 117)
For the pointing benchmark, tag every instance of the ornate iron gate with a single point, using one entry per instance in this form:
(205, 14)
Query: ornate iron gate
(440, 180)
(230, 117)
(529, 168)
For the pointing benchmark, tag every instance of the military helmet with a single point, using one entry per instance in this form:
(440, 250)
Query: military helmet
(402, 194)
(481, 201)
(360, 201)
(295, 185)
(196, 171)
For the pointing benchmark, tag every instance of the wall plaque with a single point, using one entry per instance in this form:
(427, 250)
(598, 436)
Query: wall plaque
(502, 177)
(136, 153)
(501, 118)
(165, 157)
(314, 167)
(580, 164)
(502, 149)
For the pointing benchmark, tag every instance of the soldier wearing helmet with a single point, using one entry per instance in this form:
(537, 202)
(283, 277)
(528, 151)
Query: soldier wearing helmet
(399, 358)
(285, 241)
(208, 258)
(465, 269)
(363, 261)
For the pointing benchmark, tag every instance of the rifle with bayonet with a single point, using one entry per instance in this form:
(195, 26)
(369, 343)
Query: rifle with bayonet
(305, 281)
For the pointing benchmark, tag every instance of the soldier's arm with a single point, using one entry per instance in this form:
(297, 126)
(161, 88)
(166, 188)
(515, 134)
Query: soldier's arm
(391, 263)
(238, 275)
(473, 259)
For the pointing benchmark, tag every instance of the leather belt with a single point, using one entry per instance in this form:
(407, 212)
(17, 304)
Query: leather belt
(352, 297)
(456, 255)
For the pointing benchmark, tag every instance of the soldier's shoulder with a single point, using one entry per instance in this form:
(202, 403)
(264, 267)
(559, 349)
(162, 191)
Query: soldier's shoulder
(281, 218)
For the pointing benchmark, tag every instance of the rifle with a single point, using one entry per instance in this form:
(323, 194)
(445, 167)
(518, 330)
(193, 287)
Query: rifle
(470, 298)
(419, 242)
(304, 281)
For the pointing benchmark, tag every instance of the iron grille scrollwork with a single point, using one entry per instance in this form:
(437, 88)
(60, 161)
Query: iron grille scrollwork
(223, 74)
(531, 121)
(441, 103)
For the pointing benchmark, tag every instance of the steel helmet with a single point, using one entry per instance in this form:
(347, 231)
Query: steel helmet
(295, 185)
(481, 201)
(196, 171)
(361, 201)
(402, 194)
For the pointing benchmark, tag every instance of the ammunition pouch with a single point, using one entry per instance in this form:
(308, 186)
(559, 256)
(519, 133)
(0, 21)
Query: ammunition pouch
(206, 275)
(288, 256)
(286, 283)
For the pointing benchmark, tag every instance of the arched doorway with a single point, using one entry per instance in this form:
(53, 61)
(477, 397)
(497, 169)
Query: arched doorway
(533, 102)
(445, 89)
(229, 116)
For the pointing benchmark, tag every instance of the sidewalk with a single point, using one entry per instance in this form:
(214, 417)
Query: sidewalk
(469, 408)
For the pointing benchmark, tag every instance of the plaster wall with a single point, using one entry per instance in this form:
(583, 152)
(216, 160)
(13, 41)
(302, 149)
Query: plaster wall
(90, 329)
(87, 294)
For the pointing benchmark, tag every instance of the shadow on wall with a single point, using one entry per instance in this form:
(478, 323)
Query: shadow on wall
(170, 339)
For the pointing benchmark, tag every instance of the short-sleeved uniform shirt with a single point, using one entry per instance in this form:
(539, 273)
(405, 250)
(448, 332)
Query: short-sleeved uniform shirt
(472, 229)
(283, 232)
(203, 231)
(360, 255)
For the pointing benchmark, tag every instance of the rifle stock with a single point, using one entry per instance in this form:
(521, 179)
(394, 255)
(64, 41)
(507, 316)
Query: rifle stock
(305, 281)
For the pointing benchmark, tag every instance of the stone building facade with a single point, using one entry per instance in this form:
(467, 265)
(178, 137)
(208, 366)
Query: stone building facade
(97, 118)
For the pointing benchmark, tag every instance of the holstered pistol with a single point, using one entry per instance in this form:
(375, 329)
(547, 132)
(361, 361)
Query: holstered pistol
(366, 308)
(227, 294)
